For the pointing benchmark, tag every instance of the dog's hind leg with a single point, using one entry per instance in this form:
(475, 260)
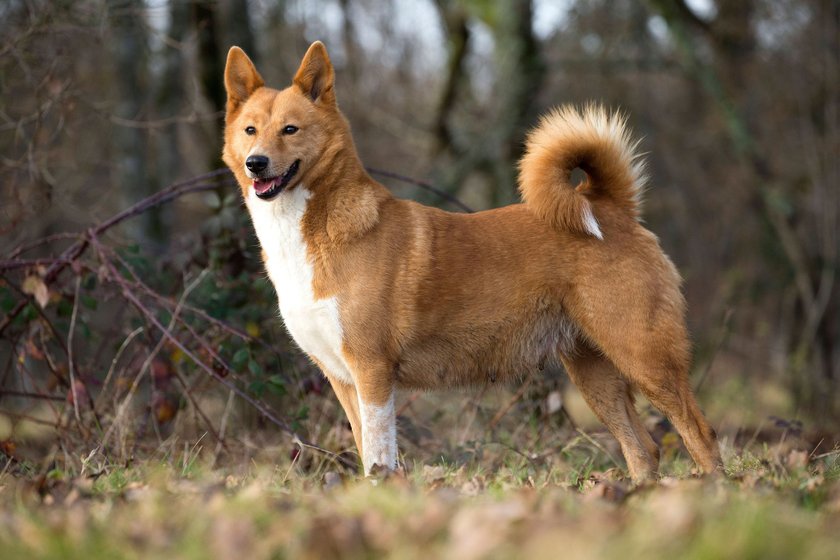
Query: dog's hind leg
(642, 331)
(608, 394)
(667, 388)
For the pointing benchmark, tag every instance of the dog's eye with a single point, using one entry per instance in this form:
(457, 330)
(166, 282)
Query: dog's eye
(290, 129)
(250, 130)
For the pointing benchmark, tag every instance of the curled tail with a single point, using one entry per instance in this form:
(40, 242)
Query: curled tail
(596, 142)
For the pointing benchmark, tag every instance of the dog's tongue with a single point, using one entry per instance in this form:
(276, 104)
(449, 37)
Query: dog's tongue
(262, 185)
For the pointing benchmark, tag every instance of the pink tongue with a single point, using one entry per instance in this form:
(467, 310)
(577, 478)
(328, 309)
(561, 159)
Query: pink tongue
(262, 185)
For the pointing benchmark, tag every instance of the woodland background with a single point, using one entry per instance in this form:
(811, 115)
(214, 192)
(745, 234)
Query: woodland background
(151, 404)
(158, 334)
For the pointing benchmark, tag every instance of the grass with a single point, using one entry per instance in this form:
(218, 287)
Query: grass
(772, 504)
(535, 486)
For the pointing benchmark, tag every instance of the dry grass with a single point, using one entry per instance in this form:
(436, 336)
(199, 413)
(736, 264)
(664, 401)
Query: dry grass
(777, 502)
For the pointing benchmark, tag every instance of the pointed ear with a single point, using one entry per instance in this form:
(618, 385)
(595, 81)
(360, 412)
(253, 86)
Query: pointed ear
(241, 78)
(315, 77)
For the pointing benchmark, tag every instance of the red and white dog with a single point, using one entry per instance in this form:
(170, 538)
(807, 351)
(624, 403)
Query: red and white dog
(384, 293)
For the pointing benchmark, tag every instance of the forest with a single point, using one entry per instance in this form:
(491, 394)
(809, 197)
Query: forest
(143, 360)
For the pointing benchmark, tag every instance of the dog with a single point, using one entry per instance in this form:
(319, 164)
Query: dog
(385, 294)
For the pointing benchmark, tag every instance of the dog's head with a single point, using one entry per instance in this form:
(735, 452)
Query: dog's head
(273, 138)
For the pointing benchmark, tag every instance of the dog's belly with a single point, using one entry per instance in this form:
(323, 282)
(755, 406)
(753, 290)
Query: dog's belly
(314, 324)
(486, 353)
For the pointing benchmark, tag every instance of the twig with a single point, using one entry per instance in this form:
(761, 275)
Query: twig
(74, 388)
(28, 395)
(120, 350)
(474, 401)
(71, 256)
(721, 339)
(568, 416)
(598, 446)
(140, 285)
(196, 184)
(223, 427)
(811, 454)
(828, 454)
(21, 367)
(186, 389)
(152, 355)
(43, 241)
(188, 353)
(12, 264)
(43, 315)
(518, 395)
(423, 185)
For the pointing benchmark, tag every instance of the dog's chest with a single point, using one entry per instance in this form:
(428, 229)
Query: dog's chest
(314, 324)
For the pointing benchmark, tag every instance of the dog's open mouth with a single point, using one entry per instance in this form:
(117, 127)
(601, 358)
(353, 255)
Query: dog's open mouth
(266, 189)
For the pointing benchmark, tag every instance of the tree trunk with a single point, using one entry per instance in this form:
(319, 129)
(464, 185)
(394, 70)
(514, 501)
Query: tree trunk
(493, 149)
(210, 73)
(170, 97)
(131, 73)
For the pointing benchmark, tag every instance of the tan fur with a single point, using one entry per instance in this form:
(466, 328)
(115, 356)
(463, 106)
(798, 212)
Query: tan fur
(596, 142)
(431, 300)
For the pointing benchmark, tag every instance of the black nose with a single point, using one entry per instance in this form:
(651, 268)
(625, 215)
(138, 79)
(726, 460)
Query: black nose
(256, 164)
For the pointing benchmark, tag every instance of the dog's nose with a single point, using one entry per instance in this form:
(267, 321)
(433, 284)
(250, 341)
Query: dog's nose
(255, 164)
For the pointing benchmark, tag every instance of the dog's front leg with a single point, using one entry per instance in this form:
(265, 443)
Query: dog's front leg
(350, 403)
(379, 423)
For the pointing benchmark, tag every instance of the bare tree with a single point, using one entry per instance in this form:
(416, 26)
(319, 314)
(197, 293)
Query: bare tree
(803, 223)
(130, 62)
(493, 149)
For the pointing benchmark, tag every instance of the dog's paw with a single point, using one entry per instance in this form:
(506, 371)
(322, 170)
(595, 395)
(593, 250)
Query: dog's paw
(379, 473)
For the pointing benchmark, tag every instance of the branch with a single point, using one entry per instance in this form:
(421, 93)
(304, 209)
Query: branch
(196, 184)
(442, 194)
(127, 293)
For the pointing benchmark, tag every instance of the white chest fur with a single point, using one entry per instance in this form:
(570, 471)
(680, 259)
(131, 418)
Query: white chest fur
(313, 323)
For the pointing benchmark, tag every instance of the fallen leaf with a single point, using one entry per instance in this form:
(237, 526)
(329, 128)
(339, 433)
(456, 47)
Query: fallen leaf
(554, 402)
(8, 447)
(165, 407)
(35, 287)
(77, 394)
(332, 480)
(434, 473)
(797, 459)
(608, 491)
(813, 483)
(33, 350)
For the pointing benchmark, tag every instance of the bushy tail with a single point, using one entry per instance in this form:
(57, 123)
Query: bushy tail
(598, 143)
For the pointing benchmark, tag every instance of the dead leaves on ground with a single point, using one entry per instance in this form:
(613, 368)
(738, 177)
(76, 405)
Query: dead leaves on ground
(433, 511)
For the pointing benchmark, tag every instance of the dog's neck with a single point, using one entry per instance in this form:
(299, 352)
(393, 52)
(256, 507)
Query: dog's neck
(345, 199)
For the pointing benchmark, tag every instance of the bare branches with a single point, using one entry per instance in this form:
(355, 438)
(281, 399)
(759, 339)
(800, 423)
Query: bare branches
(812, 265)
(71, 254)
(169, 325)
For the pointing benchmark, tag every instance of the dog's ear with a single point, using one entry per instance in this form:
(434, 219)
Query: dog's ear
(315, 77)
(241, 78)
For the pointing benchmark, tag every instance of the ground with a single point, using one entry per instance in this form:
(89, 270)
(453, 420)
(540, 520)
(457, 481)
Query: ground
(774, 502)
